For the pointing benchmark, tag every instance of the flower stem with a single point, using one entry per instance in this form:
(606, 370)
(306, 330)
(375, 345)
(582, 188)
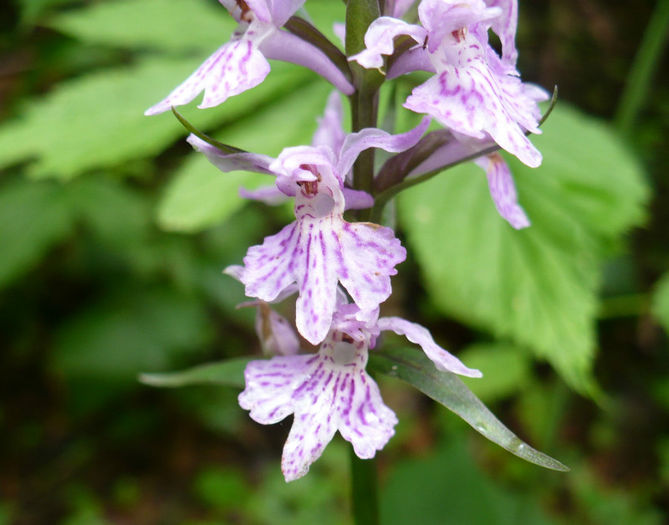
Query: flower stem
(364, 102)
(645, 63)
(364, 491)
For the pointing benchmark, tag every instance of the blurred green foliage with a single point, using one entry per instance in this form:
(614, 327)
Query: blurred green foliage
(113, 235)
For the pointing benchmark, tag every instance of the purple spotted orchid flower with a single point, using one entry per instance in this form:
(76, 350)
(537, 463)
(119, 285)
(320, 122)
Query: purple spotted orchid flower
(330, 390)
(241, 63)
(474, 92)
(320, 249)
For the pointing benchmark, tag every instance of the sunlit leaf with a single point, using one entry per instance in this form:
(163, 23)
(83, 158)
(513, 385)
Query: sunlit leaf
(169, 25)
(229, 372)
(115, 339)
(97, 120)
(33, 216)
(536, 286)
(490, 358)
(446, 388)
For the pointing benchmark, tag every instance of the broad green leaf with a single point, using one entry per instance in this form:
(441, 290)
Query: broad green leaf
(122, 335)
(33, 216)
(97, 121)
(446, 388)
(171, 25)
(660, 306)
(229, 372)
(536, 286)
(448, 487)
(200, 195)
(491, 358)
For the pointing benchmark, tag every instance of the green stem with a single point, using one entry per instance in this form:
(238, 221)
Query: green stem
(364, 102)
(643, 67)
(364, 491)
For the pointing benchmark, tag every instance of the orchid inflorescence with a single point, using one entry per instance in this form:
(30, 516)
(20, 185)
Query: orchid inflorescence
(341, 270)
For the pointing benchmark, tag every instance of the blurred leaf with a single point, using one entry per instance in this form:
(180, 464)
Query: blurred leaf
(221, 489)
(448, 488)
(319, 498)
(491, 358)
(446, 388)
(613, 506)
(660, 305)
(120, 336)
(119, 216)
(32, 218)
(216, 408)
(170, 25)
(229, 373)
(200, 195)
(537, 286)
(97, 120)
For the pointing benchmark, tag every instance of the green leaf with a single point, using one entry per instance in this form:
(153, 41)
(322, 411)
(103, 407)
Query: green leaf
(446, 388)
(33, 217)
(537, 286)
(126, 333)
(448, 487)
(200, 195)
(490, 358)
(170, 25)
(660, 304)
(97, 121)
(229, 373)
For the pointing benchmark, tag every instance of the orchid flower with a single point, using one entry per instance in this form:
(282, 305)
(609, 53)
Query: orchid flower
(320, 249)
(474, 92)
(241, 63)
(330, 390)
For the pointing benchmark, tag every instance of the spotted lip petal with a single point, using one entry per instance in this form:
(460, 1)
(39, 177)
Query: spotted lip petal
(316, 253)
(326, 392)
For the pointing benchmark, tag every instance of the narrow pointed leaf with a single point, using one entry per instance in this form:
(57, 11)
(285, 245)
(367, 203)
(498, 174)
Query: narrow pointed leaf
(229, 373)
(446, 388)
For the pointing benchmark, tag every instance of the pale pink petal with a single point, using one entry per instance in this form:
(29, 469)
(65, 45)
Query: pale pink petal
(420, 335)
(379, 40)
(357, 199)
(330, 131)
(270, 195)
(416, 59)
(397, 8)
(377, 138)
(442, 17)
(316, 275)
(270, 385)
(326, 392)
(234, 68)
(275, 333)
(469, 100)
(367, 255)
(282, 10)
(505, 26)
(281, 45)
(231, 161)
(339, 30)
(271, 267)
(503, 190)
(365, 420)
